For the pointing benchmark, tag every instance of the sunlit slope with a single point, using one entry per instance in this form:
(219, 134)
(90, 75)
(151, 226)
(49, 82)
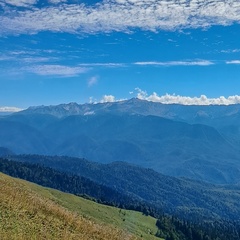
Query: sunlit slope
(29, 211)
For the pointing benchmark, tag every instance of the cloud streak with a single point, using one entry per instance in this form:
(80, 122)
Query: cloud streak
(233, 62)
(102, 64)
(117, 15)
(56, 1)
(56, 70)
(20, 3)
(176, 63)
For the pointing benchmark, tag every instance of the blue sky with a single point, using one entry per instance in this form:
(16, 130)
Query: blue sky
(60, 51)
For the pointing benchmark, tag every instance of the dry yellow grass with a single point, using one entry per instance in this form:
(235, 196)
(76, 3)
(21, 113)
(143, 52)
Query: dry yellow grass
(27, 214)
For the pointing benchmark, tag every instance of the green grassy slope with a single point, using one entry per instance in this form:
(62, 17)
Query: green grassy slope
(134, 222)
(29, 211)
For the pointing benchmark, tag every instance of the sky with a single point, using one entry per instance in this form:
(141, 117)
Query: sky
(169, 51)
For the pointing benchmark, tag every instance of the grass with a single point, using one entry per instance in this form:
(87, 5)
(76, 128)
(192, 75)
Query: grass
(29, 211)
(132, 221)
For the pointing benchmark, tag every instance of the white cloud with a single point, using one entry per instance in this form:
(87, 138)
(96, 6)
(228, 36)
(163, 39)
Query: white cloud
(233, 62)
(36, 59)
(118, 15)
(92, 81)
(20, 3)
(36, 56)
(185, 100)
(92, 100)
(230, 51)
(57, 1)
(102, 64)
(57, 70)
(10, 109)
(141, 94)
(107, 98)
(177, 63)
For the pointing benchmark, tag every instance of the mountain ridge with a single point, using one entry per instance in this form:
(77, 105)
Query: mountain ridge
(137, 106)
(180, 142)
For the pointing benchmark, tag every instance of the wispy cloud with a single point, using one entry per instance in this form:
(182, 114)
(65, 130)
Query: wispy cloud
(5, 58)
(56, 70)
(230, 51)
(185, 100)
(102, 64)
(10, 109)
(21, 3)
(117, 15)
(233, 62)
(37, 59)
(92, 81)
(34, 56)
(177, 63)
(57, 1)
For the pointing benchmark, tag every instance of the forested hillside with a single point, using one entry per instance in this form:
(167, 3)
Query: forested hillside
(75, 184)
(183, 197)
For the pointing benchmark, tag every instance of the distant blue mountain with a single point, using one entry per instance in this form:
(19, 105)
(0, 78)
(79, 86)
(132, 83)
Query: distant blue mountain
(192, 113)
(199, 142)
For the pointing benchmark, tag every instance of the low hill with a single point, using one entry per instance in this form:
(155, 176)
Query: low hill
(183, 197)
(70, 183)
(29, 211)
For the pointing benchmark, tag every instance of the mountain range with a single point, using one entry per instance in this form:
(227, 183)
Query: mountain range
(198, 142)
